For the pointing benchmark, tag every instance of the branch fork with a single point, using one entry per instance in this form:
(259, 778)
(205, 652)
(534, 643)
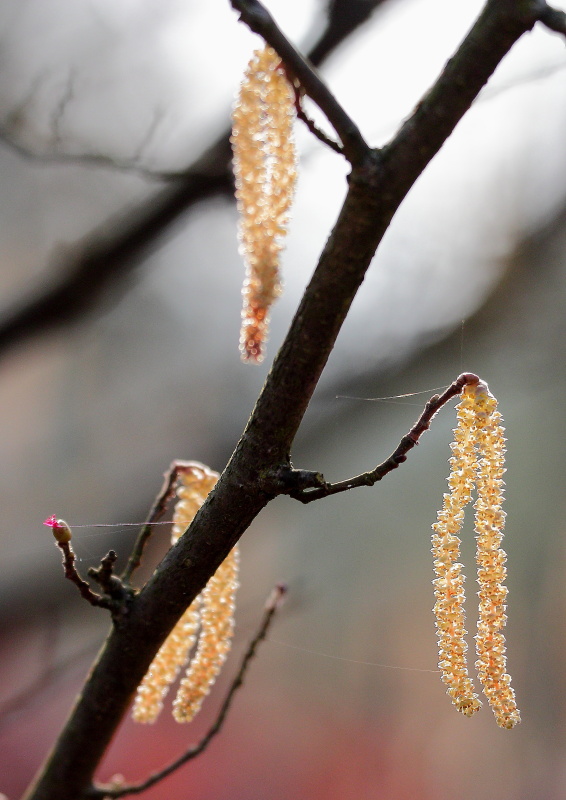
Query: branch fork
(116, 595)
(259, 20)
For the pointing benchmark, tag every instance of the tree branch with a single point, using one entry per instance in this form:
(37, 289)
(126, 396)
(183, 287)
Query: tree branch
(377, 186)
(71, 573)
(260, 21)
(98, 160)
(164, 495)
(399, 456)
(272, 605)
(554, 19)
(116, 595)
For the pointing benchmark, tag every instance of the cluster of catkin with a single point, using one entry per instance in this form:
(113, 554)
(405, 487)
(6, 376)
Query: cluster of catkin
(265, 170)
(208, 622)
(478, 457)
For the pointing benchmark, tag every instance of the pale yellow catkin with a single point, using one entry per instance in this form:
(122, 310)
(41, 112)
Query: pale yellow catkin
(489, 522)
(196, 482)
(478, 457)
(165, 667)
(217, 628)
(449, 583)
(265, 171)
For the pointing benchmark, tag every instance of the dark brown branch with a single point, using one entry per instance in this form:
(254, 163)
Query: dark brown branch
(116, 596)
(554, 19)
(399, 456)
(376, 189)
(72, 574)
(272, 605)
(260, 21)
(114, 591)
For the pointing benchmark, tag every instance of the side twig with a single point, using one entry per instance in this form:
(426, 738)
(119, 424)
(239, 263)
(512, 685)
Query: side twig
(160, 503)
(311, 125)
(399, 455)
(259, 20)
(72, 574)
(272, 605)
(115, 594)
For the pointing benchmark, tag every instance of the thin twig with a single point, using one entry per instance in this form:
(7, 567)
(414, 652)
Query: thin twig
(116, 596)
(553, 19)
(113, 588)
(312, 127)
(317, 132)
(157, 509)
(259, 20)
(72, 574)
(272, 605)
(410, 440)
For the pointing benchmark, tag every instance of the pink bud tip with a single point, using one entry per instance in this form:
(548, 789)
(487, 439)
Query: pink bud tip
(61, 530)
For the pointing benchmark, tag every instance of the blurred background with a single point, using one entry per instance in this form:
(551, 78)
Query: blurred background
(120, 285)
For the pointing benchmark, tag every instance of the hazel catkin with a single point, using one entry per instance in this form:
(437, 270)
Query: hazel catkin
(265, 171)
(478, 458)
(208, 622)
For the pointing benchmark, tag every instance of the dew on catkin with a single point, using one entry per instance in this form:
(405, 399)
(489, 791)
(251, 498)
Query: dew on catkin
(478, 458)
(265, 170)
(201, 621)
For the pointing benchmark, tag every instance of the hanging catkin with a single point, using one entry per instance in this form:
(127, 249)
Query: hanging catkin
(212, 611)
(265, 170)
(490, 519)
(449, 583)
(478, 458)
